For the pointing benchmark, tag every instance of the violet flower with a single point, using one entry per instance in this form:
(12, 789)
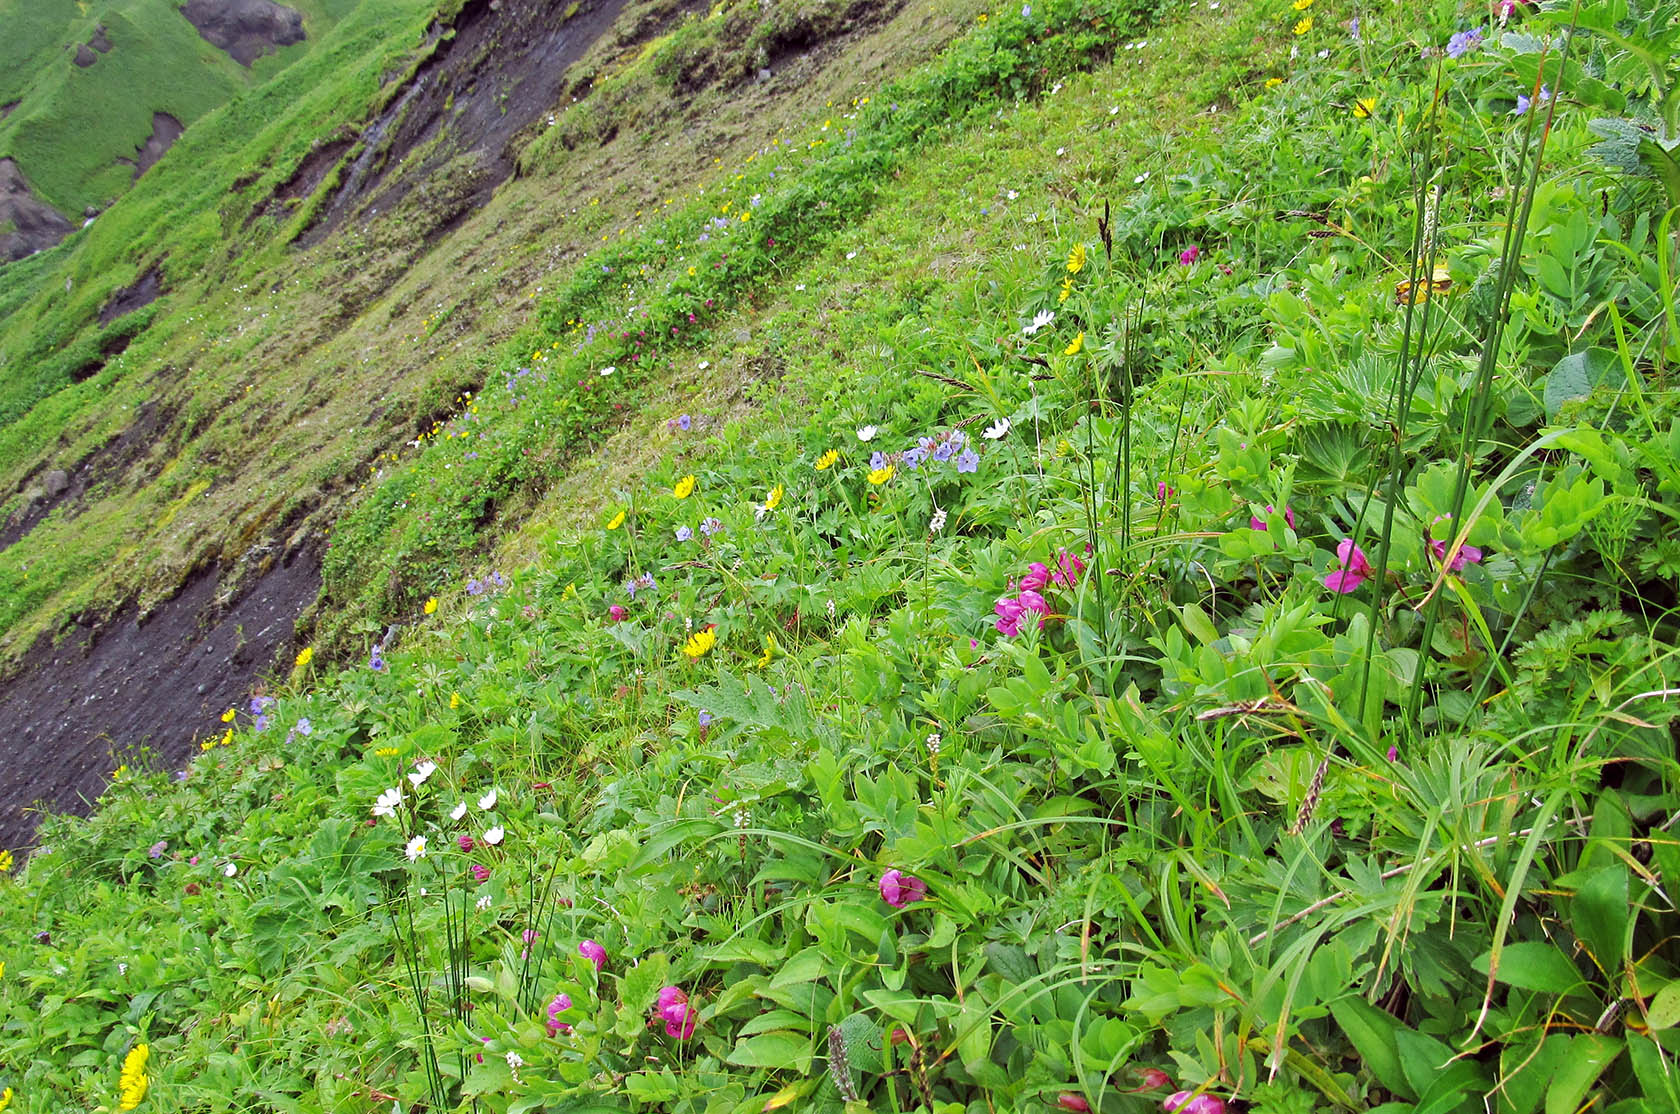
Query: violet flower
(899, 889)
(1355, 569)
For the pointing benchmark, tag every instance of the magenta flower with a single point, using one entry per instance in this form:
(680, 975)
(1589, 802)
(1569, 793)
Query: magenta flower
(1466, 555)
(1163, 492)
(899, 889)
(617, 614)
(1355, 571)
(1037, 577)
(1189, 255)
(559, 1005)
(1394, 754)
(480, 873)
(593, 952)
(466, 842)
(1009, 613)
(1032, 601)
(1067, 1100)
(1068, 568)
(1182, 1102)
(677, 1012)
(1260, 523)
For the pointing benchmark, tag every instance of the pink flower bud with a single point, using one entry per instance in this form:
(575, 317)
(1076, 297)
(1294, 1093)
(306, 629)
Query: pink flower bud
(593, 952)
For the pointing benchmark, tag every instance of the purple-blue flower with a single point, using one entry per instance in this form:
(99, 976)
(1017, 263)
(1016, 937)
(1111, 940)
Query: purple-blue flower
(376, 660)
(475, 586)
(1464, 42)
(969, 461)
(684, 423)
(1523, 101)
(684, 534)
(710, 526)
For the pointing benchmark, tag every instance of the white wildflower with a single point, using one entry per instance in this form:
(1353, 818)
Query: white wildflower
(488, 801)
(416, 849)
(494, 836)
(867, 433)
(997, 430)
(388, 802)
(421, 772)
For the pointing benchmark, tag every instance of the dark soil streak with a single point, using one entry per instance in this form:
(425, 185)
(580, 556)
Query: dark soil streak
(159, 681)
(501, 72)
(165, 131)
(246, 29)
(142, 292)
(35, 224)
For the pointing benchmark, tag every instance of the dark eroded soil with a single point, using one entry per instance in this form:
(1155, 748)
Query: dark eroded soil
(138, 294)
(34, 225)
(246, 29)
(502, 71)
(165, 131)
(82, 706)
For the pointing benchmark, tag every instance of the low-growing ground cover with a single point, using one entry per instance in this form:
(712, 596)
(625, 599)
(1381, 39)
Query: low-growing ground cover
(1218, 657)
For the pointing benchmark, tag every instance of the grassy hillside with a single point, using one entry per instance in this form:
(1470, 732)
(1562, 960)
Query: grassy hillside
(72, 123)
(1130, 564)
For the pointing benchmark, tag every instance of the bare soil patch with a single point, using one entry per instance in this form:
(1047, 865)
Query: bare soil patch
(138, 294)
(92, 699)
(34, 225)
(246, 29)
(501, 72)
(165, 131)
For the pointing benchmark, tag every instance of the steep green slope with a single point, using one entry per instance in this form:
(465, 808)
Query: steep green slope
(79, 113)
(1103, 621)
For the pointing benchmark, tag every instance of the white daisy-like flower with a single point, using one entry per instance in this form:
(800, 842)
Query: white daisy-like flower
(388, 802)
(494, 836)
(488, 801)
(1040, 319)
(421, 772)
(458, 811)
(231, 869)
(867, 433)
(997, 430)
(606, 371)
(416, 849)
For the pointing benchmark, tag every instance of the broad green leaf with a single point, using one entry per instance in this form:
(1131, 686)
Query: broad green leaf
(1601, 916)
(1664, 1011)
(673, 835)
(1526, 1069)
(773, 1050)
(1423, 1059)
(1589, 1055)
(1371, 1032)
(1534, 965)
(1577, 374)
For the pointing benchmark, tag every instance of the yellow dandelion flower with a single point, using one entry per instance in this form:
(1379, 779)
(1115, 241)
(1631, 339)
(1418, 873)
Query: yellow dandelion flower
(827, 460)
(6, 1095)
(746, 215)
(227, 738)
(684, 488)
(1303, 5)
(699, 644)
(206, 744)
(227, 716)
(431, 606)
(983, 17)
(774, 499)
(133, 1082)
(454, 700)
(617, 521)
(5, 867)
(570, 593)
(1364, 107)
(387, 752)
(306, 655)
(1075, 344)
(1076, 259)
(1273, 82)
(1067, 290)
(1304, 26)
(769, 653)
(881, 475)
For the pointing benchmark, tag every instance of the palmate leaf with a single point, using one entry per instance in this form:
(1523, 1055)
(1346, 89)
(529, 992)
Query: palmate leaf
(1335, 453)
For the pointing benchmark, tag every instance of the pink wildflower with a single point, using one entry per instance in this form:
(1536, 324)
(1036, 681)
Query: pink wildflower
(559, 1005)
(1189, 255)
(593, 952)
(1466, 555)
(1037, 577)
(1182, 1102)
(899, 889)
(480, 873)
(617, 614)
(1009, 612)
(676, 1011)
(1355, 571)
(1068, 568)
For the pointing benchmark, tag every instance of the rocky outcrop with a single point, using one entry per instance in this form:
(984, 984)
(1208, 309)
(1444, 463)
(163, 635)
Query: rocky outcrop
(27, 224)
(246, 29)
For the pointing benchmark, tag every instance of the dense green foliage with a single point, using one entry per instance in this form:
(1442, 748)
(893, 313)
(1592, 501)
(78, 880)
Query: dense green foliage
(1128, 594)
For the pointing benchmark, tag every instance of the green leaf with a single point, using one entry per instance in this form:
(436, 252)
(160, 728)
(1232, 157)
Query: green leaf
(1577, 374)
(1423, 1060)
(663, 840)
(1661, 162)
(1371, 1032)
(1525, 1069)
(1589, 1055)
(1534, 965)
(1601, 916)
(1664, 1011)
(773, 1050)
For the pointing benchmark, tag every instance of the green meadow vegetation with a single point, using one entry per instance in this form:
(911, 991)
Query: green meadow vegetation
(1129, 566)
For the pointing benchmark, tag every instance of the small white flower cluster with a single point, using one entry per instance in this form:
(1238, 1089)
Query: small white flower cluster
(933, 743)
